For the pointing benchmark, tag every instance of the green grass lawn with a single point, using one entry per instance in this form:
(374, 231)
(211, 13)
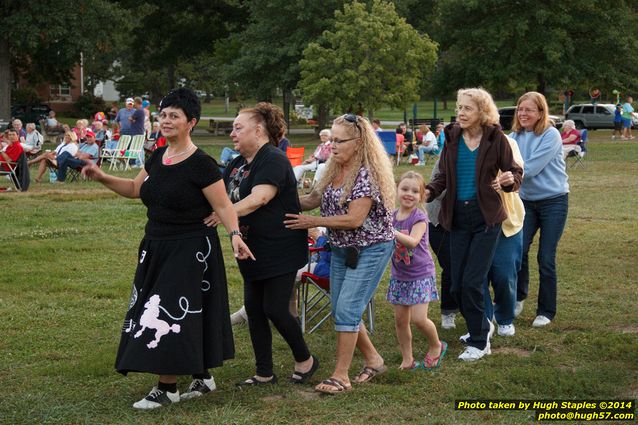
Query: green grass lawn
(68, 257)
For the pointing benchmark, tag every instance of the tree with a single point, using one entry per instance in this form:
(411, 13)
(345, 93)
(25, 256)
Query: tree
(534, 45)
(172, 32)
(45, 47)
(372, 58)
(272, 44)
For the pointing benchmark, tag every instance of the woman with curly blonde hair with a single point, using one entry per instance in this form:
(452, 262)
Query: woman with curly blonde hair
(356, 196)
(472, 210)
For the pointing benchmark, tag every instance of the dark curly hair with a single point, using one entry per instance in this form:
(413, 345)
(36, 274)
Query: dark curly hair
(184, 99)
(271, 117)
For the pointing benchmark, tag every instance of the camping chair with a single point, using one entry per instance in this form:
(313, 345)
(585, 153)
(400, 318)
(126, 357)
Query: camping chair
(110, 154)
(134, 151)
(314, 298)
(18, 173)
(575, 159)
(389, 140)
(295, 155)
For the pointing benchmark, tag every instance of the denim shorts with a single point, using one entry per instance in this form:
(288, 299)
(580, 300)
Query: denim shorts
(352, 289)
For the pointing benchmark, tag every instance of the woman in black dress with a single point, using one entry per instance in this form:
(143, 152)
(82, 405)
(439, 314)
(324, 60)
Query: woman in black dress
(177, 321)
(263, 188)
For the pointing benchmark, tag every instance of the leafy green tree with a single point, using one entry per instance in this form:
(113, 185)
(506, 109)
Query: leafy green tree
(271, 45)
(371, 58)
(536, 45)
(41, 40)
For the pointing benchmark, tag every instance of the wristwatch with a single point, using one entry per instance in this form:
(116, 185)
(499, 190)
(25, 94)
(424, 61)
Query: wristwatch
(233, 233)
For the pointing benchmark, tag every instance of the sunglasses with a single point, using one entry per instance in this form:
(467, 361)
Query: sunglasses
(353, 119)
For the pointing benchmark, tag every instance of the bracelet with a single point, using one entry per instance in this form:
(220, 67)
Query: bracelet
(235, 233)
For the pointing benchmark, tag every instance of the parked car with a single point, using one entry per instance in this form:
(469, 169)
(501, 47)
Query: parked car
(29, 112)
(507, 117)
(590, 116)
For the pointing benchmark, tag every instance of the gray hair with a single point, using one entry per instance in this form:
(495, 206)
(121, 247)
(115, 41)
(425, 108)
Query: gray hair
(31, 125)
(326, 131)
(569, 123)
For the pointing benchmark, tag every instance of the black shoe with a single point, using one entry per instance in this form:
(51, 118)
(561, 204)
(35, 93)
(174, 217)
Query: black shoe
(253, 381)
(198, 388)
(157, 398)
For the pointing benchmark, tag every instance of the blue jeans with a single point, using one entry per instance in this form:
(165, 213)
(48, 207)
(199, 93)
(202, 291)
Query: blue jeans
(472, 246)
(67, 161)
(548, 215)
(503, 275)
(430, 150)
(352, 289)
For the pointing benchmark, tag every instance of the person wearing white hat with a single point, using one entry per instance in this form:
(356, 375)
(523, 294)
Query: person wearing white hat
(124, 117)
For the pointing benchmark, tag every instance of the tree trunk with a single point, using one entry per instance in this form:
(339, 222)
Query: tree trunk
(5, 80)
(541, 84)
(170, 75)
(322, 117)
(287, 95)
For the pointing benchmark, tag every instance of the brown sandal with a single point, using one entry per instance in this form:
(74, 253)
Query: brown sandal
(332, 386)
(369, 373)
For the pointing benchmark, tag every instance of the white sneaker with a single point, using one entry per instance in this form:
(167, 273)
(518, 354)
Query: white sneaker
(519, 308)
(490, 333)
(239, 317)
(447, 321)
(156, 398)
(198, 388)
(420, 164)
(540, 321)
(506, 330)
(472, 354)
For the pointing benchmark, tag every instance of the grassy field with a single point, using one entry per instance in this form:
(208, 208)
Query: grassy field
(68, 257)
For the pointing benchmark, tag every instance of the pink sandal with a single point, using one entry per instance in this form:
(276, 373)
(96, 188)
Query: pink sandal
(432, 363)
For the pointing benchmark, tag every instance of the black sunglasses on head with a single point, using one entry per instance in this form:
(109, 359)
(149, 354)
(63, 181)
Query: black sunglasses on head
(354, 119)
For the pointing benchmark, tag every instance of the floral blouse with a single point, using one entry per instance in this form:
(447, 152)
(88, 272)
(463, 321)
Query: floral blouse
(376, 228)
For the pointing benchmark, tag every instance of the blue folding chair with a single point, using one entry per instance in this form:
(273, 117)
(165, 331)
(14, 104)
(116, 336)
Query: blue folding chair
(389, 140)
(577, 157)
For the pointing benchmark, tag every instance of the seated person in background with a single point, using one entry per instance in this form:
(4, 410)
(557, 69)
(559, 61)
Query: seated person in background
(428, 144)
(88, 151)
(228, 155)
(11, 149)
(400, 141)
(68, 146)
(151, 143)
(318, 158)
(570, 137)
(115, 136)
(52, 125)
(80, 129)
(100, 133)
(33, 141)
(376, 124)
(17, 126)
(284, 143)
(319, 266)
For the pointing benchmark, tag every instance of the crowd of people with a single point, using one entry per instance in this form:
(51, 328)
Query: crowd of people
(488, 196)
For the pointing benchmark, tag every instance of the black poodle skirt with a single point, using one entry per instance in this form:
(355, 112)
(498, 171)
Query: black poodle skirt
(177, 321)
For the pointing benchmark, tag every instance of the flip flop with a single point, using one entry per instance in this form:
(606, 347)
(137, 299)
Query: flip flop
(415, 365)
(332, 386)
(370, 372)
(302, 378)
(430, 363)
(253, 382)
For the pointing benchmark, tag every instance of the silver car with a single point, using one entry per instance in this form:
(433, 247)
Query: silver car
(590, 116)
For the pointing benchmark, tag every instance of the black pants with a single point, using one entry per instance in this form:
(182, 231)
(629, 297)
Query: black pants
(440, 244)
(268, 299)
(472, 247)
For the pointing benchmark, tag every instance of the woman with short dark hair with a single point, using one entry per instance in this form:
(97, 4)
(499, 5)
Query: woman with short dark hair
(178, 319)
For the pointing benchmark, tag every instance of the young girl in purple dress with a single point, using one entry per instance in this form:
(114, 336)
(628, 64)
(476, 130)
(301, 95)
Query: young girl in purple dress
(413, 279)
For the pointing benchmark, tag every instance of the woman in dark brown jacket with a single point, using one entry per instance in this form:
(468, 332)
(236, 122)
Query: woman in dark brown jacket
(475, 150)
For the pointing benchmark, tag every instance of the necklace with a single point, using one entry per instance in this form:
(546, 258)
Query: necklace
(169, 158)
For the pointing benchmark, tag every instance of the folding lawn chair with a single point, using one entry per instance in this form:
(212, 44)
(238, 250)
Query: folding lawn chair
(18, 173)
(314, 299)
(575, 159)
(295, 155)
(134, 151)
(110, 154)
(389, 141)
